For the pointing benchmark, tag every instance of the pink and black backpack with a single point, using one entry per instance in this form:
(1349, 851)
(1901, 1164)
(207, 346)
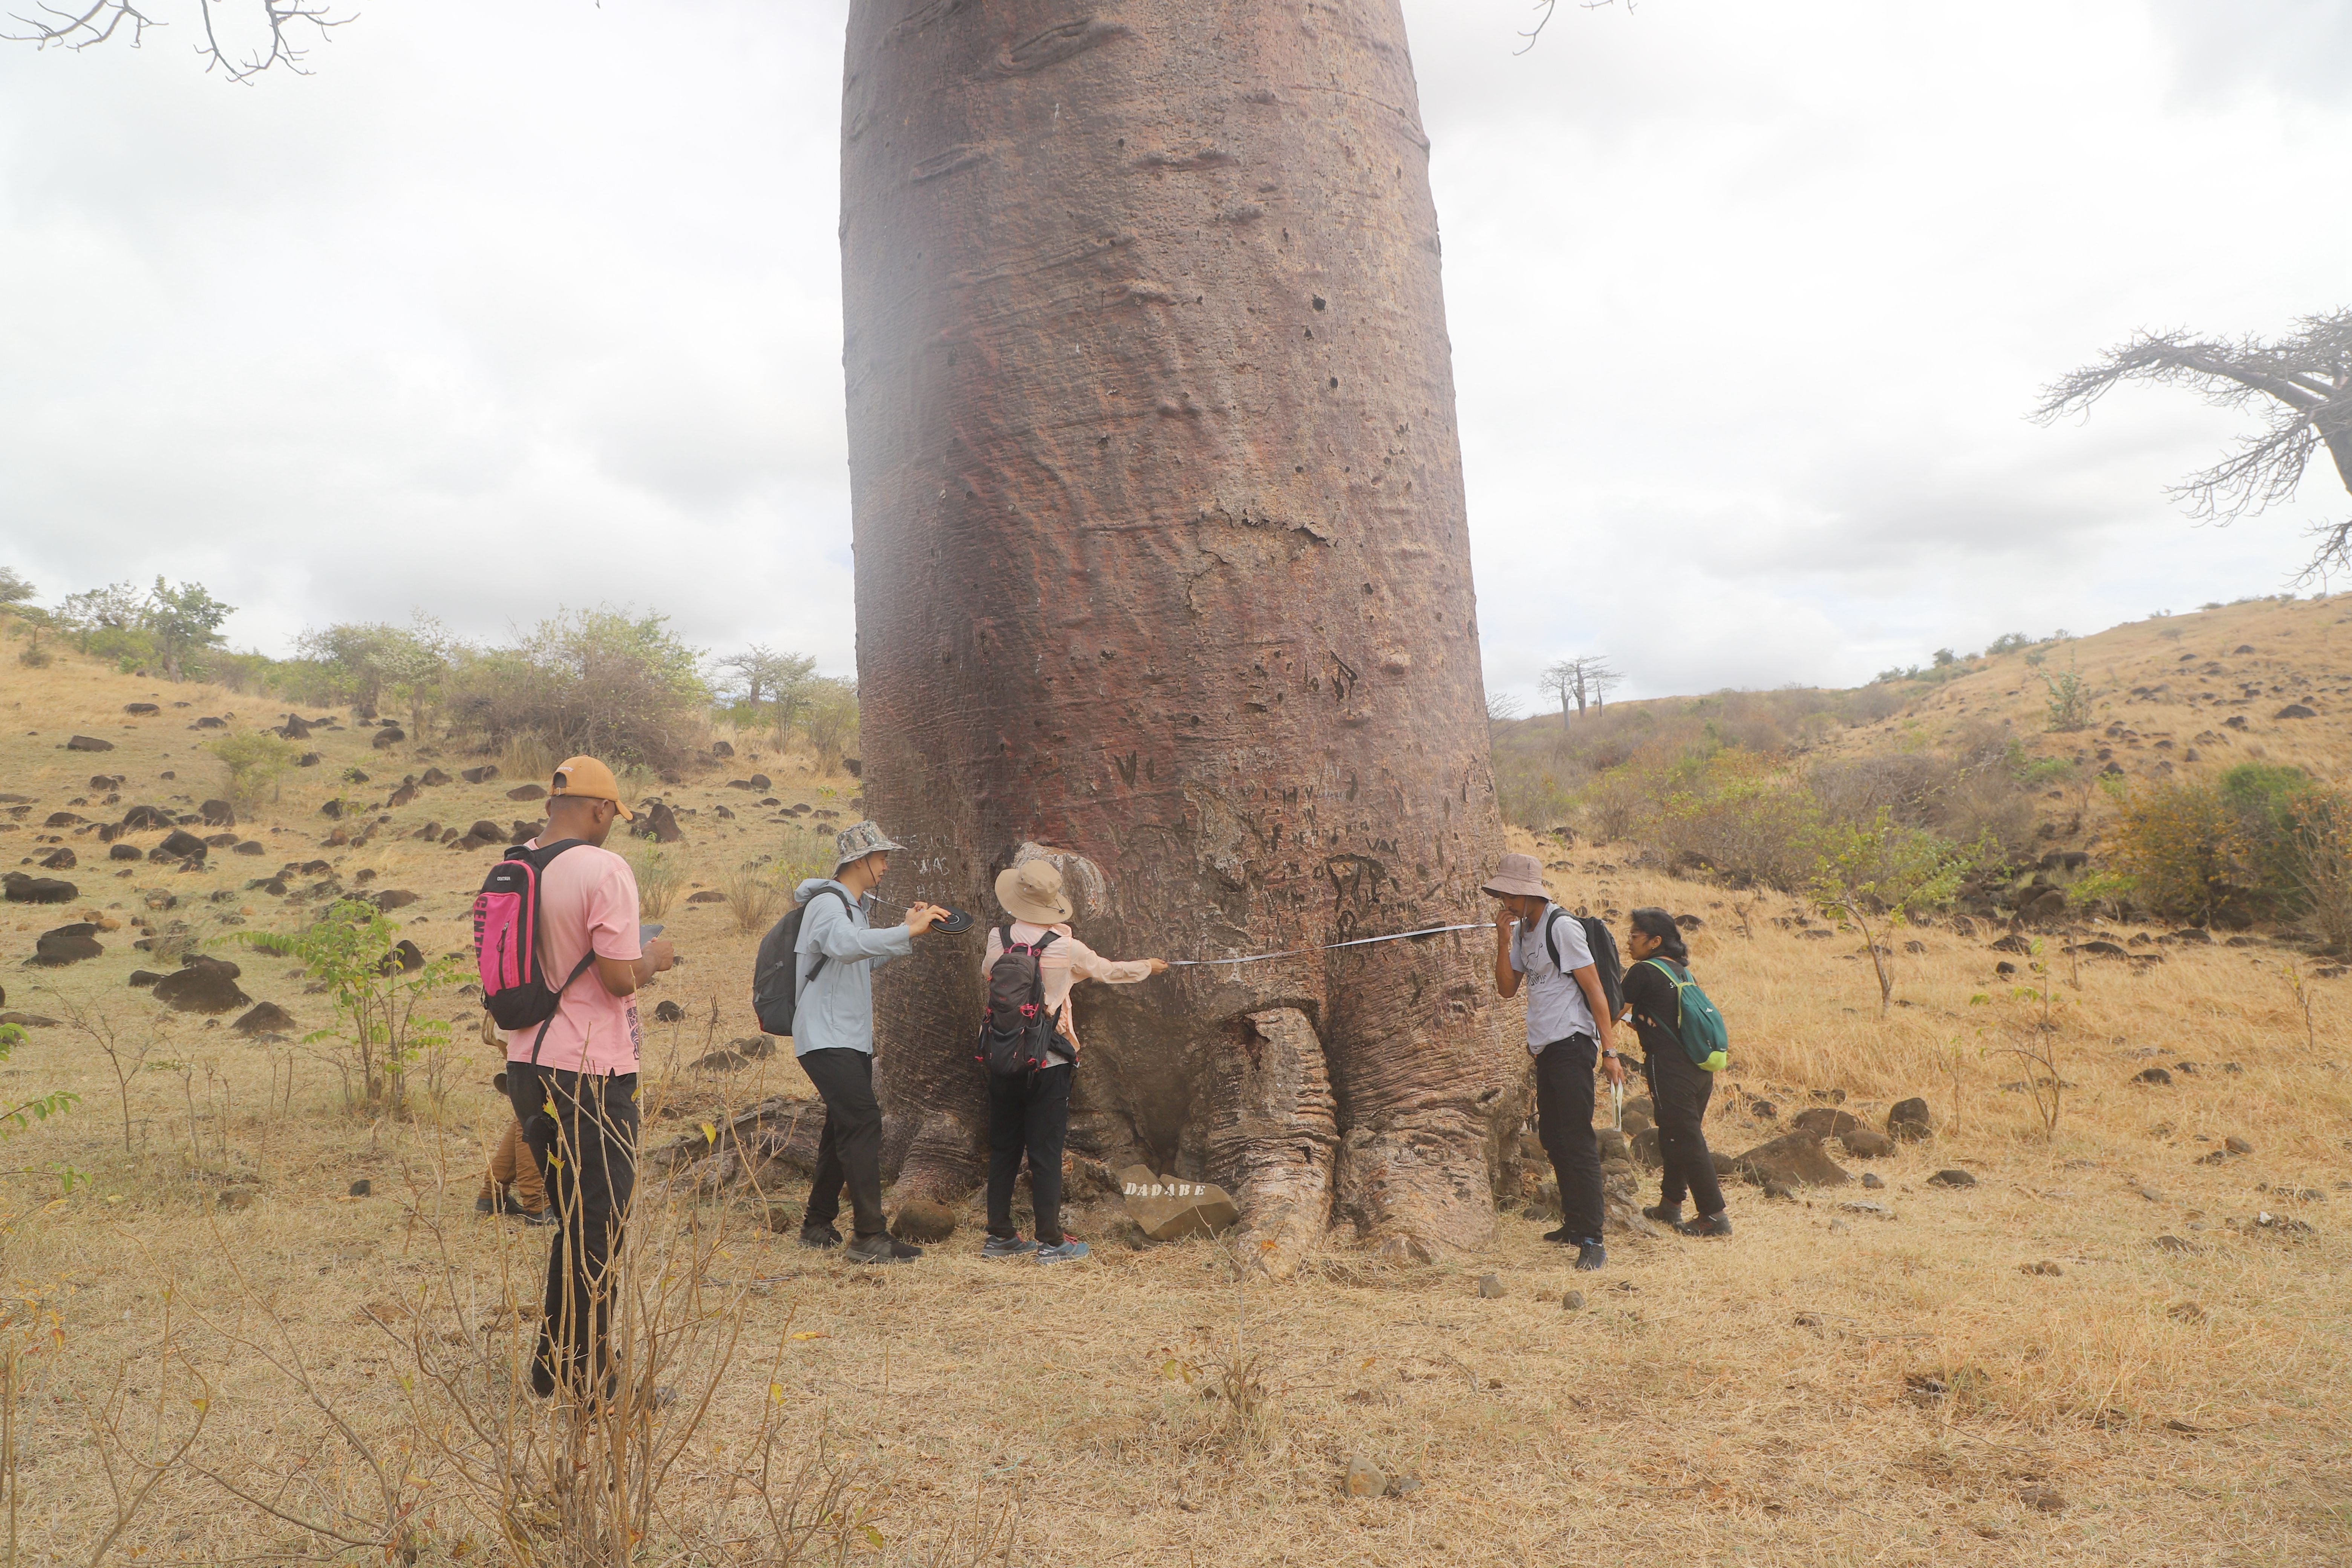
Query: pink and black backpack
(515, 991)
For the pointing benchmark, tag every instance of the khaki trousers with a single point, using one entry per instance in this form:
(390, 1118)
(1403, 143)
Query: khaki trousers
(512, 1163)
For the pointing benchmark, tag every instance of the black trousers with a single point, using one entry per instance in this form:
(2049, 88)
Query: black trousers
(586, 1151)
(850, 1150)
(1680, 1090)
(1564, 1122)
(1028, 1114)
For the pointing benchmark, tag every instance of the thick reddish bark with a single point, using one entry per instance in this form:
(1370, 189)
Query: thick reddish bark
(1161, 561)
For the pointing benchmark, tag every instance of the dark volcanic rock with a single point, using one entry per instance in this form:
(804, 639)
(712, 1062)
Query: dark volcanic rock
(143, 978)
(124, 852)
(392, 899)
(527, 792)
(661, 823)
(1824, 1122)
(1952, 1179)
(1910, 1121)
(89, 743)
(203, 985)
(2158, 1076)
(1866, 1143)
(390, 737)
(482, 774)
(66, 944)
(433, 777)
(24, 890)
(218, 814)
(58, 859)
(265, 1018)
(146, 819)
(247, 846)
(1793, 1159)
(141, 708)
(2294, 711)
(179, 844)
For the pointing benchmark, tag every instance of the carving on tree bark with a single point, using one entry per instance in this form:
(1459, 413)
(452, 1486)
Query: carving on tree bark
(1161, 560)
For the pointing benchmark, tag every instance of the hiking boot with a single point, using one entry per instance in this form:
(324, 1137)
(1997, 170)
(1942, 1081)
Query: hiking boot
(1069, 1251)
(1589, 1256)
(1707, 1225)
(512, 1208)
(536, 1217)
(1562, 1235)
(1665, 1213)
(997, 1246)
(482, 1204)
(883, 1248)
(820, 1236)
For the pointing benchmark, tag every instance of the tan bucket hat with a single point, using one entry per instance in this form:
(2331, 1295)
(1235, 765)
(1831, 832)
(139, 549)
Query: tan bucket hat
(1518, 875)
(1033, 891)
(858, 840)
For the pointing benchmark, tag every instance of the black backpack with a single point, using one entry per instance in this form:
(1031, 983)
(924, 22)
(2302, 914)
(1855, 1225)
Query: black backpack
(775, 994)
(1604, 955)
(1016, 1030)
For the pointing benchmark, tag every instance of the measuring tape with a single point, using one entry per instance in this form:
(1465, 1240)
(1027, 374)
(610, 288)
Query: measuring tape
(1293, 952)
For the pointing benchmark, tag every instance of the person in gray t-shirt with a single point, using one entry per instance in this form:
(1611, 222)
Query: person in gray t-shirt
(1570, 1032)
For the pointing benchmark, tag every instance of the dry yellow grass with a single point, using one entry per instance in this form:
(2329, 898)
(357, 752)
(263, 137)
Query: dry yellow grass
(1766, 1400)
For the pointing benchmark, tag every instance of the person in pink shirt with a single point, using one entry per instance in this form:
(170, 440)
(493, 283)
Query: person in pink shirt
(573, 1080)
(1029, 1113)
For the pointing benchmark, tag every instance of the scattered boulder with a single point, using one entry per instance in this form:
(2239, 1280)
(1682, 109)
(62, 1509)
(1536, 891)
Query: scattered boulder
(89, 743)
(526, 791)
(390, 899)
(405, 795)
(921, 1220)
(385, 738)
(2294, 711)
(23, 889)
(1762, 1109)
(66, 944)
(434, 777)
(660, 824)
(1910, 1122)
(64, 819)
(1823, 1121)
(217, 814)
(1364, 1479)
(1792, 1160)
(1641, 1105)
(203, 985)
(2155, 1075)
(307, 760)
(1572, 1301)
(1872, 1180)
(1490, 1288)
(668, 1012)
(179, 844)
(28, 1020)
(1952, 1179)
(247, 847)
(142, 708)
(1633, 1123)
(265, 1018)
(61, 858)
(362, 1188)
(146, 819)
(406, 955)
(1645, 1148)
(707, 896)
(2014, 942)
(721, 749)
(1866, 1143)
(481, 836)
(144, 977)
(2237, 1145)
(124, 852)
(1168, 1208)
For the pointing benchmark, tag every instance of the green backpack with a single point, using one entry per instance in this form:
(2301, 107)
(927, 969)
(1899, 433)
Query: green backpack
(1698, 1025)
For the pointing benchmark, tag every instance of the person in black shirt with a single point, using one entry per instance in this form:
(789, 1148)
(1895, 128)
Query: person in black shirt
(1679, 1087)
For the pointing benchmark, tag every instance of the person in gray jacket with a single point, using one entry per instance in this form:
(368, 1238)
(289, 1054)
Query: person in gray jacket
(833, 1036)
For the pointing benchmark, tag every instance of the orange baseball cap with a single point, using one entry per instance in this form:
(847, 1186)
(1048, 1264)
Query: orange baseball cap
(591, 780)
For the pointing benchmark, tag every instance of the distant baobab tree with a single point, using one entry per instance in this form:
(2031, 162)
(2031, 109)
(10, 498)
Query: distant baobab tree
(1585, 680)
(2302, 384)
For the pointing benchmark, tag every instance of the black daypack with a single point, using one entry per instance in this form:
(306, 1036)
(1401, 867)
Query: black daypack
(775, 984)
(1016, 1031)
(1604, 947)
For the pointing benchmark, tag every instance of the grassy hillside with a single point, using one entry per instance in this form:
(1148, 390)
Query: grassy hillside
(2095, 1353)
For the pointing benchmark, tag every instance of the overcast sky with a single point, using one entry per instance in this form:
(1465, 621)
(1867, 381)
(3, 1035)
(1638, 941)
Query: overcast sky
(511, 306)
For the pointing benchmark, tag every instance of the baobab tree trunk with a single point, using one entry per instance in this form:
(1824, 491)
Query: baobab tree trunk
(1162, 563)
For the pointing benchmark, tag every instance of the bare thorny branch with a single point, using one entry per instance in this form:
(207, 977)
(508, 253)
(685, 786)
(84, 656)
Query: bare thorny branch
(2302, 384)
(55, 26)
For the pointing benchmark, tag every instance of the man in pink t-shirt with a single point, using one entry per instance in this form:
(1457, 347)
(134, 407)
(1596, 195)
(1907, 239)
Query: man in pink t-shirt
(573, 1081)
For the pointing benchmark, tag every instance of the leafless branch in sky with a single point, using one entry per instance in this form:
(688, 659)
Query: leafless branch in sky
(280, 23)
(2301, 384)
(1543, 18)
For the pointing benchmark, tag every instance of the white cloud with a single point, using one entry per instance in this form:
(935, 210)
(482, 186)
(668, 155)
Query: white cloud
(520, 306)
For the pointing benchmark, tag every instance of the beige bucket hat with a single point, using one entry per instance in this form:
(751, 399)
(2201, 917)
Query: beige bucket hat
(1033, 891)
(1518, 875)
(858, 840)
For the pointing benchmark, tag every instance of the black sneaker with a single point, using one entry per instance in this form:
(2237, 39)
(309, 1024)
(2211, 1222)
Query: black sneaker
(1706, 1225)
(820, 1237)
(482, 1204)
(1559, 1234)
(537, 1216)
(879, 1249)
(1665, 1213)
(1589, 1256)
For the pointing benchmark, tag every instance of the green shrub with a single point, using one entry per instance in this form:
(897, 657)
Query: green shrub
(2182, 845)
(255, 764)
